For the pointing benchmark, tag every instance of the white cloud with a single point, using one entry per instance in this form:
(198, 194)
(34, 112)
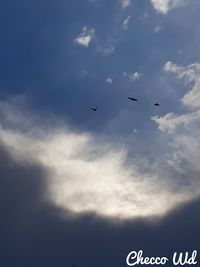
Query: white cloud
(125, 74)
(184, 129)
(185, 126)
(86, 174)
(192, 98)
(135, 76)
(164, 6)
(85, 37)
(125, 3)
(109, 80)
(157, 29)
(170, 67)
(132, 76)
(171, 121)
(191, 75)
(126, 22)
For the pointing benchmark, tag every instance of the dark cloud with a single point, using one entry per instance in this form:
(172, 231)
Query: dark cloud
(35, 233)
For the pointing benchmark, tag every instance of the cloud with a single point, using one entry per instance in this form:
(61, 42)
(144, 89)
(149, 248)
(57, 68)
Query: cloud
(106, 51)
(157, 29)
(107, 46)
(189, 122)
(135, 76)
(85, 37)
(191, 75)
(170, 67)
(171, 121)
(125, 3)
(184, 129)
(86, 174)
(164, 6)
(35, 232)
(125, 74)
(126, 22)
(109, 80)
(132, 76)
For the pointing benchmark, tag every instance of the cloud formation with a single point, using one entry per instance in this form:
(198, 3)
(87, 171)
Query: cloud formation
(58, 178)
(125, 3)
(85, 37)
(106, 46)
(86, 174)
(126, 22)
(108, 80)
(189, 121)
(135, 76)
(184, 129)
(132, 76)
(35, 233)
(190, 74)
(164, 6)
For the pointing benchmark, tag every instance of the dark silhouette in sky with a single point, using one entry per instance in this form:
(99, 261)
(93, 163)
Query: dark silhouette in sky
(157, 104)
(93, 109)
(132, 99)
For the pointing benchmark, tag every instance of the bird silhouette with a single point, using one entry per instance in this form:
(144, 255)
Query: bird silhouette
(132, 98)
(157, 104)
(93, 109)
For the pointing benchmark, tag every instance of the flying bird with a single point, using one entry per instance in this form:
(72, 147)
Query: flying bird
(132, 98)
(93, 109)
(157, 104)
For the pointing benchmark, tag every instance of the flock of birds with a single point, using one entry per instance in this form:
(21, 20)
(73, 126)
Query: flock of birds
(131, 99)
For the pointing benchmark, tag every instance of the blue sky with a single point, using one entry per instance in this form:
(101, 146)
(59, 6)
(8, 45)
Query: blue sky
(128, 164)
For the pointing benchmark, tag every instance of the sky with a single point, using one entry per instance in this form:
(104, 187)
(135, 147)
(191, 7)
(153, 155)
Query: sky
(85, 188)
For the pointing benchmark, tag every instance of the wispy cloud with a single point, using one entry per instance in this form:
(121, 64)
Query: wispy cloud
(125, 3)
(106, 51)
(184, 128)
(135, 76)
(108, 80)
(85, 37)
(132, 76)
(190, 74)
(164, 6)
(157, 29)
(126, 22)
(106, 47)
